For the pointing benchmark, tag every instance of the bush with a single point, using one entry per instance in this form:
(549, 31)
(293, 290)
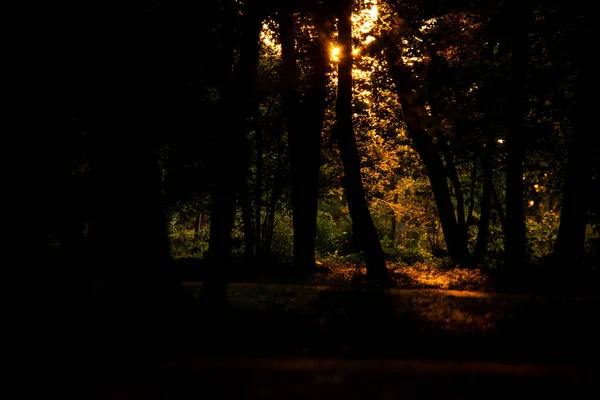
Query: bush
(186, 244)
(330, 236)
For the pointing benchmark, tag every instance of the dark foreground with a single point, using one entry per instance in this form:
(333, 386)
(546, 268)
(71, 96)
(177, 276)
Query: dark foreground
(310, 378)
(286, 341)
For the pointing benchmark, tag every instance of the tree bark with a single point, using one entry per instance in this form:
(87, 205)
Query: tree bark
(584, 151)
(453, 176)
(472, 194)
(483, 228)
(230, 167)
(246, 208)
(362, 223)
(515, 141)
(305, 123)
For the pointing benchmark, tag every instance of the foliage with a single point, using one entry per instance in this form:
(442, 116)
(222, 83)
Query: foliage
(331, 234)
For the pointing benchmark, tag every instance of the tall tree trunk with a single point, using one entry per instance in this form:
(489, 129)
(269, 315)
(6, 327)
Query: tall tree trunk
(515, 141)
(304, 123)
(362, 224)
(314, 116)
(230, 166)
(584, 151)
(297, 145)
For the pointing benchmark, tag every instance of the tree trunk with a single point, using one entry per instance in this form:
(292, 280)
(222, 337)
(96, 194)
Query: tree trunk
(230, 166)
(249, 235)
(584, 151)
(304, 124)
(362, 224)
(483, 228)
(515, 141)
(259, 183)
(423, 144)
(453, 236)
(489, 180)
(458, 193)
(469, 218)
(394, 223)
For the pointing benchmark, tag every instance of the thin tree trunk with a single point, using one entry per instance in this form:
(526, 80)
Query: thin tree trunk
(473, 187)
(515, 141)
(483, 228)
(197, 222)
(362, 224)
(453, 176)
(489, 180)
(249, 235)
(394, 222)
(258, 189)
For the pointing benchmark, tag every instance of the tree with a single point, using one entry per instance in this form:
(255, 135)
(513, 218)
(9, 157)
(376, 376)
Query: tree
(584, 151)
(231, 167)
(515, 141)
(363, 229)
(304, 115)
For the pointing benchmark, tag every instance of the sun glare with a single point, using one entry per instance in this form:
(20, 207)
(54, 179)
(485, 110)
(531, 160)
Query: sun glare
(335, 53)
(365, 20)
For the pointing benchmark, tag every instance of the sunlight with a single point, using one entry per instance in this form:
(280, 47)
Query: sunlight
(335, 53)
(365, 20)
(268, 38)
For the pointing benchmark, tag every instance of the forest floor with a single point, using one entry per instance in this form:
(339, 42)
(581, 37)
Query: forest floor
(328, 335)
(307, 341)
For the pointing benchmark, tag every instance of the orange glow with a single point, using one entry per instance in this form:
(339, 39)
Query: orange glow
(335, 53)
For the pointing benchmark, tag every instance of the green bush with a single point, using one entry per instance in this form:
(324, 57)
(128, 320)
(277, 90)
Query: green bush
(330, 236)
(186, 244)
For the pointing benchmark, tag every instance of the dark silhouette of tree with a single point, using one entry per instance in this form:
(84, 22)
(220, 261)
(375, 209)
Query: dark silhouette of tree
(517, 32)
(304, 116)
(413, 111)
(583, 153)
(231, 160)
(363, 229)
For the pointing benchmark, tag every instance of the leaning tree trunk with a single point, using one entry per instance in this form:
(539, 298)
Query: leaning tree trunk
(423, 143)
(230, 164)
(362, 223)
(515, 141)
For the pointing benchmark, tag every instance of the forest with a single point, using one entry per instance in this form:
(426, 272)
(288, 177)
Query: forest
(366, 145)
